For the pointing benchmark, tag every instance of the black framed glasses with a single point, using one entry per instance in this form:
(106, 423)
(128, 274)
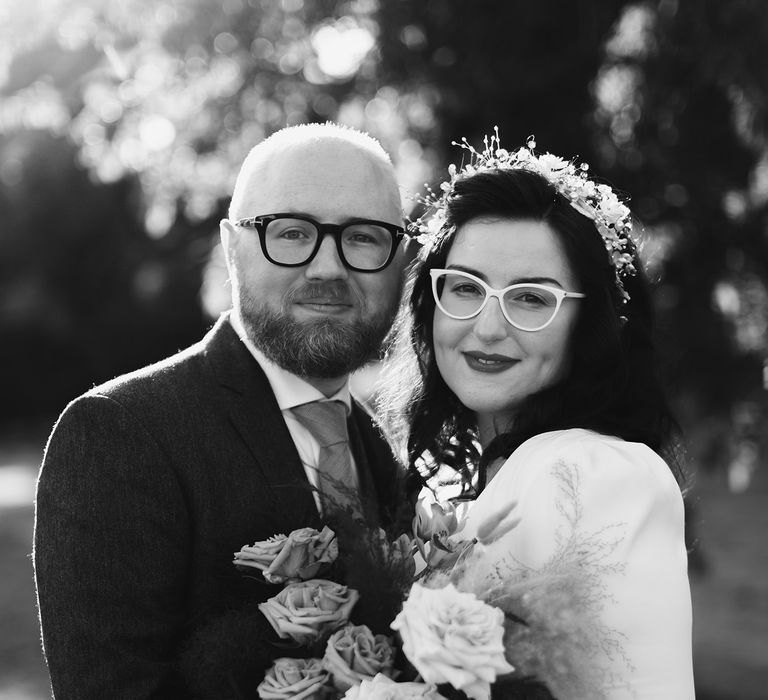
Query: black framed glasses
(292, 240)
(527, 307)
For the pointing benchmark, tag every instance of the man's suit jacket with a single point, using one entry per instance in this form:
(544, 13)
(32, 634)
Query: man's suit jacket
(149, 483)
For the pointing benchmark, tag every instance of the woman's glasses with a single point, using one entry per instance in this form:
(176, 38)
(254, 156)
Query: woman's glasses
(528, 307)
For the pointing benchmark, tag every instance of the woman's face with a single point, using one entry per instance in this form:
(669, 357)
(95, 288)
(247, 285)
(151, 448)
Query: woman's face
(489, 364)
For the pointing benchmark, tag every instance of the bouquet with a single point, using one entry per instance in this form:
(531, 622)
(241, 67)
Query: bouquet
(443, 621)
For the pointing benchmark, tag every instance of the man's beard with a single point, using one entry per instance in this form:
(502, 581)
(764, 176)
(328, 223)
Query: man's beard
(324, 349)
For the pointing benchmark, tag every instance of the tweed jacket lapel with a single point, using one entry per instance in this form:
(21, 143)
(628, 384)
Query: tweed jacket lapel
(253, 411)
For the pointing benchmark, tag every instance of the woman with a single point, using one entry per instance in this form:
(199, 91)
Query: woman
(525, 363)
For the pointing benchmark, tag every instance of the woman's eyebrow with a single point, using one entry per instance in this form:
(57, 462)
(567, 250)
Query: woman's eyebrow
(518, 280)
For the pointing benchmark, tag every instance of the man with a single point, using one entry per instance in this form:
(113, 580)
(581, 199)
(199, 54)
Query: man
(151, 481)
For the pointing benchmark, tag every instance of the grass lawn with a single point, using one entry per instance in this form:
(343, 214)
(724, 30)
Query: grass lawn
(730, 596)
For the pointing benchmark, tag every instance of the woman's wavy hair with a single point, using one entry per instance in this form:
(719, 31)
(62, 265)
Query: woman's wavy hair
(613, 383)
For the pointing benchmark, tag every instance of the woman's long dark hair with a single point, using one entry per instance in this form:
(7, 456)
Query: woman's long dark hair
(612, 385)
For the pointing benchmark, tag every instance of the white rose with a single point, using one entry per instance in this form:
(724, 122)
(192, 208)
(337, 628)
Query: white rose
(452, 637)
(382, 688)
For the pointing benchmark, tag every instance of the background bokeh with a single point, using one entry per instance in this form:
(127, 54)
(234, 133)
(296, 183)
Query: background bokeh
(123, 124)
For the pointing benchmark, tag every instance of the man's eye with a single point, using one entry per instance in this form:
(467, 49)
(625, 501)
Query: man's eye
(360, 237)
(365, 235)
(293, 234)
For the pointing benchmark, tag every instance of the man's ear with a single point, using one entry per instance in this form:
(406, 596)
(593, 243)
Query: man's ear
(228, 234)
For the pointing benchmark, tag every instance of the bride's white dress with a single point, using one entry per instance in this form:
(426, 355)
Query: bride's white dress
(576, 488)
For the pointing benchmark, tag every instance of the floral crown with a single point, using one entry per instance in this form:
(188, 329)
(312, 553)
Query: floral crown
(599, 202)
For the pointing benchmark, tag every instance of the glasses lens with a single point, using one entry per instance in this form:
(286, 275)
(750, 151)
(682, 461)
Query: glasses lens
(530, 307)
(458, 295)
(290, 240)
(366, 246)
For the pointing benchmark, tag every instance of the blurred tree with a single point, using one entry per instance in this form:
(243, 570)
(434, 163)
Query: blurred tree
(122, 126)
(669, 101)
(682, 123)
(526, 67)
(84, 292)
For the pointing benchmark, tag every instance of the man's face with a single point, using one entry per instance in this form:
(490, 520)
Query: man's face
(319, 320)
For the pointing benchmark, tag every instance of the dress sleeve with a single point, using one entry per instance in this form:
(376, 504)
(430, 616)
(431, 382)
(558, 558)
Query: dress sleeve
(615, 510)
(110, 556)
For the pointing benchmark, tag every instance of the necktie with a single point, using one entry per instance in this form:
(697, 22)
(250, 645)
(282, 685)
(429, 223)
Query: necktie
(337, 481)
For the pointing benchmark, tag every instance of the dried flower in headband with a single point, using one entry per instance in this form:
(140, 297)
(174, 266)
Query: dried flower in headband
(598, 202)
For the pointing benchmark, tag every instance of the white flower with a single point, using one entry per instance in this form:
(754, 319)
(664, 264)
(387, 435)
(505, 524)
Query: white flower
(551, 164)
(382, 688)
(452, 637)
(435, 530)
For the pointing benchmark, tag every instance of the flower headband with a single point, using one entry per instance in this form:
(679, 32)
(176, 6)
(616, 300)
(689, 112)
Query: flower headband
(598, 202)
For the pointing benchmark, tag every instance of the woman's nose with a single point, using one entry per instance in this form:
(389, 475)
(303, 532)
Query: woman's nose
(490, 323)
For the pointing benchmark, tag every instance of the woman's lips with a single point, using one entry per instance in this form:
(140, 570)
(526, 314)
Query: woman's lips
(482, 362)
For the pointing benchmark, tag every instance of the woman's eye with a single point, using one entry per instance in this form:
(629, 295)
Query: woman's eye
(530, 298)
(466, 289)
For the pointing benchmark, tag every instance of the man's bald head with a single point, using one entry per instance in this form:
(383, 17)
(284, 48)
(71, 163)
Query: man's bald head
(295, 142)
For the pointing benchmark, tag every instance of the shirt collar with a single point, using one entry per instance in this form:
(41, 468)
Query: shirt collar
(289, 389)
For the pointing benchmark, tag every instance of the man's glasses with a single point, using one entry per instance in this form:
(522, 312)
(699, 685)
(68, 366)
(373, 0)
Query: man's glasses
(528, 307)
(291, 240)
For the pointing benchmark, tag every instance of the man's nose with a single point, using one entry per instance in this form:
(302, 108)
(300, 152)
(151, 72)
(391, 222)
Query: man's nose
(327, 264)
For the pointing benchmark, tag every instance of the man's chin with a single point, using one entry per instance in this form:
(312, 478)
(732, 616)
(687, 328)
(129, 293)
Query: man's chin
(322, 347)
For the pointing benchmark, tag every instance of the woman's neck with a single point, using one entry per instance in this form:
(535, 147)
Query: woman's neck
(489, 425)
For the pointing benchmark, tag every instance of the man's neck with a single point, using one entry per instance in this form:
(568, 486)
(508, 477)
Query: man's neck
(327, 387)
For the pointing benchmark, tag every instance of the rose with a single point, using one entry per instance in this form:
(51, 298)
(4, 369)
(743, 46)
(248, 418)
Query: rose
(354, 653)
(261, 554)
(382, 688)
(305, 611)
(452, 637)
(296, 557)
(296, 679)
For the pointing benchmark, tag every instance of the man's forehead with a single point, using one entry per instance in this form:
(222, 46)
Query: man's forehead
(311, 177)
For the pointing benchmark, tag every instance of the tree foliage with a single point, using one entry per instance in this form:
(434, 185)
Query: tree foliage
(122, 126)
